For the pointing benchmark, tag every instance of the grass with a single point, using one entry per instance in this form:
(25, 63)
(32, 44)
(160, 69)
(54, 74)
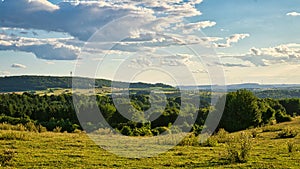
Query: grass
(76, 150)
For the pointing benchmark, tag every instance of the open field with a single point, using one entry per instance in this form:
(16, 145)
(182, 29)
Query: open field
(76, 150)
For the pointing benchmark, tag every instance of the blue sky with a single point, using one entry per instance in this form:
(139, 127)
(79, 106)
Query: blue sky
(250, 40)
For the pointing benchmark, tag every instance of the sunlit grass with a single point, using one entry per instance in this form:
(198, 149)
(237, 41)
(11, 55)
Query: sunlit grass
(77, 150)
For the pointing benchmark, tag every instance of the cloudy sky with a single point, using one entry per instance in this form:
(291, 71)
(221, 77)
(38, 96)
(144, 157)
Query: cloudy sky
(155, 41)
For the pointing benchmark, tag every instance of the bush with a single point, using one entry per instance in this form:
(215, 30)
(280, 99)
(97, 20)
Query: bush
(41, 128)
(287, 133)
(238, 149)
(189, 140)
(21, 127)
(30, 126)
(280, 117)
(222, 136)
(291, 147)
(162, 130)
(57, 129)
(210, 142)
(126, 130)
(254, 133)
(6, 156)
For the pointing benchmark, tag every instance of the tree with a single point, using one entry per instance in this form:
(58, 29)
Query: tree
(241, 111)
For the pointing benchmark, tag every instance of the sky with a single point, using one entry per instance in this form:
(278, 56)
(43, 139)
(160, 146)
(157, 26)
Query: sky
(171, 41)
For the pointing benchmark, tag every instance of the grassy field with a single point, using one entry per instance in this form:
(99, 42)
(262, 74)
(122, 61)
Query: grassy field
(76, 150)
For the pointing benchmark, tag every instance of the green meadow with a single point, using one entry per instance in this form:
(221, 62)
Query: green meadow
(77, 150)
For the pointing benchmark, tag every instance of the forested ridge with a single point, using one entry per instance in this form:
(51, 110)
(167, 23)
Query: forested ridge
(242, 110)
(33, 83)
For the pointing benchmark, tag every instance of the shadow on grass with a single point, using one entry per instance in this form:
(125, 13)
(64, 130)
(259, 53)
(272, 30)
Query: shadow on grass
(206, 164)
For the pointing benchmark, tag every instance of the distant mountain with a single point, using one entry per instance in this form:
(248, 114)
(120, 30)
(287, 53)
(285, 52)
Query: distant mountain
(31, 83)
(249, 86)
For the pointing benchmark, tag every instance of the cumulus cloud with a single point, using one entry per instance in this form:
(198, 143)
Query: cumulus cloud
(49, 49)
(83, 19)
(293, 14)
(18, 66)
(285, 53)
(141, 23)
(190, 27)
(232, 39)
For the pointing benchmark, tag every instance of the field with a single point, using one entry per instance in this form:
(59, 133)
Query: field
(76, 150)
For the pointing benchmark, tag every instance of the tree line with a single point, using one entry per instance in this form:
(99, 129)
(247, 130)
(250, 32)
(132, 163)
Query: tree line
(242, 110)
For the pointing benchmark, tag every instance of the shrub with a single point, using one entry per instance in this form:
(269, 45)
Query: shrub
(21, 127)
(57, 129)
(41, 128)
(6, 156)
(30, 126)
(291, 147)
(77, 131)
(162, 130)
(254, 133)
(271, 129)
(238, 149)
(222, 136)
(189, 140)
(280, 117)
(197, 129)
(287, 133)
(210, 142)
(126, 130)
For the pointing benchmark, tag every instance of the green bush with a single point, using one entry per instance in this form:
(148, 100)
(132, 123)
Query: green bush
(6, 156)
(126, 130)
(238, 149)
(210, 142)
(254, 133)
(222, 136)
(21, 127)
(163, 130)
(280, 117)
(287, 133)
(189, 140)
(30, 126)
(41, 128)
(57, 129)
(291, 147)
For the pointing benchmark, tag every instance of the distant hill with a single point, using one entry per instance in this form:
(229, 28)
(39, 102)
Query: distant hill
(275, 91)
(32, 83)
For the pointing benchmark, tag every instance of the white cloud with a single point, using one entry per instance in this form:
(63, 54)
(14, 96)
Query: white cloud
(19, 66)
(232, 39)
(285, 53)
(144, 22)
(83, 19)
(293, 14)
(49, 49)
(190, 27)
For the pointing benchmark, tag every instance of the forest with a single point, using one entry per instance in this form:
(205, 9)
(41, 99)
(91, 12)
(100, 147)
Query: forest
(242, 110)
(33, 83)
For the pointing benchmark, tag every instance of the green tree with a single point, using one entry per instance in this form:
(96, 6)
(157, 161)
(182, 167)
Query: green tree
(241, 111)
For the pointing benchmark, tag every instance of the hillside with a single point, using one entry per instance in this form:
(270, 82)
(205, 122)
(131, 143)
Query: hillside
(33, 83)
(76, 150)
